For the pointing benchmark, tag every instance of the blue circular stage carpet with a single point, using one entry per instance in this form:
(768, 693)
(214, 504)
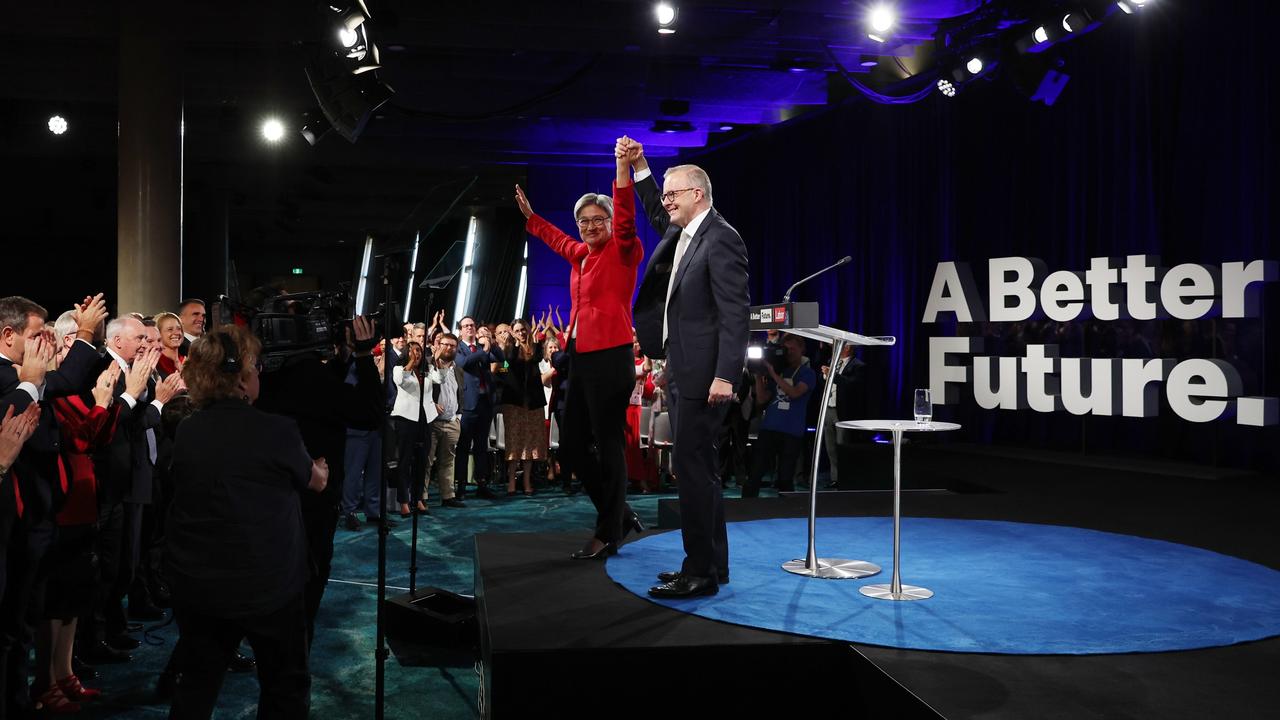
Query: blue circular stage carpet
(1000, 587)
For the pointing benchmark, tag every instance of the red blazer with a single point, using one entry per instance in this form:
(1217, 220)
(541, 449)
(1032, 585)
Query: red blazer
(85, 428)
(601, 288)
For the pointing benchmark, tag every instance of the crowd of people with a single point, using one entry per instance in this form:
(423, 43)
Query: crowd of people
(120, 499)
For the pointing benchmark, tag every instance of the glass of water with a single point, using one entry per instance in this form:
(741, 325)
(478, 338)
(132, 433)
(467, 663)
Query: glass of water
(923, 406)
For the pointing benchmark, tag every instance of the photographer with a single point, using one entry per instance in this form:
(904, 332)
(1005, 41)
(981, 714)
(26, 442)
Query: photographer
(237, 551)
(784, 393)
(315, 394)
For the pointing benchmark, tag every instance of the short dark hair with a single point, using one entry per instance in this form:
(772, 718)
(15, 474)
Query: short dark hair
(148, 322)
(15, 309)
(189, 301)
(446, 336)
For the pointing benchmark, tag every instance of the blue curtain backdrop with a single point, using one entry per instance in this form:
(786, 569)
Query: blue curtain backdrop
(1162, 143)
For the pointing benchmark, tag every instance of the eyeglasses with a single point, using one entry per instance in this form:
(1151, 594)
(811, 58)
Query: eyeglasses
(671, 194)
(593, 221)
(467, 325)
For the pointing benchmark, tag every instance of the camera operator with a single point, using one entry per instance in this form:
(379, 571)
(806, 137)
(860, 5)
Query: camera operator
(237, 549)
(785, 395)
(315, 394)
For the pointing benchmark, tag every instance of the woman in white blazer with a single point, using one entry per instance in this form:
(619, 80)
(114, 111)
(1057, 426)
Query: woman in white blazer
(410, 417)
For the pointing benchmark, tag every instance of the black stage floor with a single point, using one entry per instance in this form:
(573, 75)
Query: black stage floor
(542, 614)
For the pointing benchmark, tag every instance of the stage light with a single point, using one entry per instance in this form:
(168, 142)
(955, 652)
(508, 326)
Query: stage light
(1041, 35)
(272, 130)
(974, 66)
(1075, 22)
(726, 128)
(666, 15)
(57, 125)
(881, 20)
(946, 87)
(671, 126)
(350, 23)
(1129, 6)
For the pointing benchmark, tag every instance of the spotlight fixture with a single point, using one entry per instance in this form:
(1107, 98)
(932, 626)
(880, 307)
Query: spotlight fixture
(1040, 35)
(272, 130)
(666, 14)
(671, 126)
(1129, 6)
(57, 125)
(350, 27)
(880, 22)
(946, 87)
(974, 66)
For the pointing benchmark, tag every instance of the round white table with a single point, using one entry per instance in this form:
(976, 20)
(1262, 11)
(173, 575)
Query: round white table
(895, 590)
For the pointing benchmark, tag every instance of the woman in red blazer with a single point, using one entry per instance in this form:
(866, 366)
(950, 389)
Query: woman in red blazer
(602, 279)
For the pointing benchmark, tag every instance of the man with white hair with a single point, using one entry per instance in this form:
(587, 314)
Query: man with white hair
(124, 469)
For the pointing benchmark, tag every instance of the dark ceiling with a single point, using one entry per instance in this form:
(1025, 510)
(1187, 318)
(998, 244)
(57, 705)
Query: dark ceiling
(482, 89)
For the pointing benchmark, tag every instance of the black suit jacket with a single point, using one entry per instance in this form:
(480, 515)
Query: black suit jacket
(707, 316)
(123, 467)
(36, 468)
(851, 390)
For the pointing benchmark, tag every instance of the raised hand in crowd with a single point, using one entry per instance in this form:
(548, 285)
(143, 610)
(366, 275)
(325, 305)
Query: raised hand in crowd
(169, 387)
(89, 315)
(483, 339)
(363, 330)
(14, 431)
(135, 381)
(523, 203)
(559, 321)
(104, 388)
(37, 355)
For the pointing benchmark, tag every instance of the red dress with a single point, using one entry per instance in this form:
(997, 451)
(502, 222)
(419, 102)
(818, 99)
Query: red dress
(642, 471)
(84, 428)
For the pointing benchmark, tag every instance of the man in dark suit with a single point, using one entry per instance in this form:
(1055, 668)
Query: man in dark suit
(692, 309)
(478, 392)
(26, 509)
(192, 314)
(124, 469)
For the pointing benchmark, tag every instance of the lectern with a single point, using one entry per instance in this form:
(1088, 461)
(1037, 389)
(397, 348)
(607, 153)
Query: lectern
(802, 319)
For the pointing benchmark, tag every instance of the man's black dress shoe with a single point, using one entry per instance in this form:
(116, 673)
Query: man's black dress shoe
(685, 586)
(452, 502)
(670, 575)
(585, 553)
(375, 520)
(100, 653)
(123, 642)
(241, 663)
(350, 521)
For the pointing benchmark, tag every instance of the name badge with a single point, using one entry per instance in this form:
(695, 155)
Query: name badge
(784, 404)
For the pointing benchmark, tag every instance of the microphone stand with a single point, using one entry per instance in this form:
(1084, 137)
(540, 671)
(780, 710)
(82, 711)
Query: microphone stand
(842, 261)
(390, 464)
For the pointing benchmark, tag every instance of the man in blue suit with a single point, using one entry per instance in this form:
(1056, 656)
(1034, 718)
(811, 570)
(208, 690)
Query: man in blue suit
(692, 309)
(478, 391)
